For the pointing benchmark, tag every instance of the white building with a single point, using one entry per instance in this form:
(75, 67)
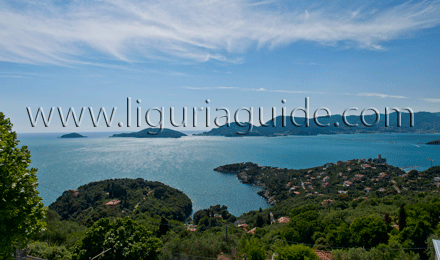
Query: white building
(437, 248)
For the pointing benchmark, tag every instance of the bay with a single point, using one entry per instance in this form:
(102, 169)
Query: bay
(187, 163)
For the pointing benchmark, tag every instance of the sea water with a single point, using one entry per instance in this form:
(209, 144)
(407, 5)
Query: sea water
(187, 163)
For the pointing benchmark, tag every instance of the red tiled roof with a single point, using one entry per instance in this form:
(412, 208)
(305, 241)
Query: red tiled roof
(192, 228)
(243, 226)
(112, 203)
(324, 255)
(284, 220)
(252, 231)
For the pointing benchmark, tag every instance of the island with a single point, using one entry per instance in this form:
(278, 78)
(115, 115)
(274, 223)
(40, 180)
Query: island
(437, 142)
(152, 133)
(73, 135)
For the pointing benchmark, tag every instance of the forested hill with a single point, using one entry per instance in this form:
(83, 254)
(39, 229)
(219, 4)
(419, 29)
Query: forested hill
(122, 197)
(424, 122)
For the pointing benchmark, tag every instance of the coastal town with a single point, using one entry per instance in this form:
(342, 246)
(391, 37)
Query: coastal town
(354, 178)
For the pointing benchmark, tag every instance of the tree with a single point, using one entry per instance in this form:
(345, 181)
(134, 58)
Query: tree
(260, 220)
(387, 219)
(415, 235)
(253, 249)
(198, 216)
(163, 227)
(21, 209)
(368, 232)
(402, 217)
(305, 224)
(339, 236)
(126, 238)
(419, 233)
(204, 221)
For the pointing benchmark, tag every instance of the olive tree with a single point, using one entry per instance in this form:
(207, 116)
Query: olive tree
(21, 209)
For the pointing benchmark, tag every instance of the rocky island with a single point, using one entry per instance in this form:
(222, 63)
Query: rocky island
(437, 142)
(73, 135)
(152, 133)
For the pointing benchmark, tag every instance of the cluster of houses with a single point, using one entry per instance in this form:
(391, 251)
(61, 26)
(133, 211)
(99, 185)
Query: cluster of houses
(366, 164)
(437, 181)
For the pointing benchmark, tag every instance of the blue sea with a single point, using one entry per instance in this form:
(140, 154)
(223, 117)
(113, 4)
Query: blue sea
(187, 163)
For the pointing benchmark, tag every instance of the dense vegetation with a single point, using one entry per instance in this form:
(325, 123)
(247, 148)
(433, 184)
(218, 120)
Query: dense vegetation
(152, 133)
(424, 122)
(126, 238)
(395, 219)
(215, 216)
(122, 197)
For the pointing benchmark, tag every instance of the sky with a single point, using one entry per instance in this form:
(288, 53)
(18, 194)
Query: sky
(237, 54)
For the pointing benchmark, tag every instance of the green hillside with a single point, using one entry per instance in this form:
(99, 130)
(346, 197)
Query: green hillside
(121, 197)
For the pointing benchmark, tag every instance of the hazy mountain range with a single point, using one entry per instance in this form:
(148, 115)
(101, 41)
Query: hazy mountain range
(424, 122)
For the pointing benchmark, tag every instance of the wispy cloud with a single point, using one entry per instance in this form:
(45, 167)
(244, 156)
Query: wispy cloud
(19, 75)
(223, 30)
(288, 91)
(256, 90)
(208, 88)
(380, 95)
(12, 76)
(432, 100)
(310, 64)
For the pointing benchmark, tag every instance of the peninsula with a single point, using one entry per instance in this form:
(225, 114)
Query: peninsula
(354, 178)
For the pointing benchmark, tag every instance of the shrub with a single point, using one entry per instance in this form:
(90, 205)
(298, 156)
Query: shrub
(296, 252)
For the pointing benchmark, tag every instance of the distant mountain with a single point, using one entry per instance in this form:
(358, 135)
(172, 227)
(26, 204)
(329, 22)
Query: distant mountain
(152, 133)
(73, 135)
(233, 130)
(424, 122)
